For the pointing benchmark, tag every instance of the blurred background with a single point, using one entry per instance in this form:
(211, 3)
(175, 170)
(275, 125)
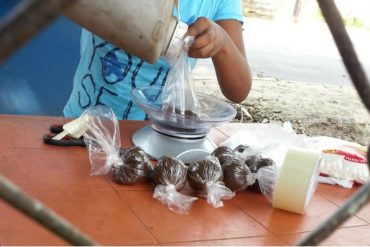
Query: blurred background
(37, 79)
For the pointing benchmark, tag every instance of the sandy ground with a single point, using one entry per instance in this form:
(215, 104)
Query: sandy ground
(312, 109)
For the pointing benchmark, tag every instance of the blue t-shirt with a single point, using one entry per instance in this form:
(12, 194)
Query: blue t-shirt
(106, 74)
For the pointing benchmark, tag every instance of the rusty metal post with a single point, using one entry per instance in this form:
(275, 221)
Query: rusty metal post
(21, 24)
(359, 79)
(24, 21)
(38, 212)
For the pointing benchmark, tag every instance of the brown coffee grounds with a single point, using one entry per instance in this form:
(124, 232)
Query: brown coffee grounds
(236, 173)
(251, 161)
(254, 169)
(204, 171)
(187, 113)
(241, 148)
(223, 154)
(170, 171)
(136, 167)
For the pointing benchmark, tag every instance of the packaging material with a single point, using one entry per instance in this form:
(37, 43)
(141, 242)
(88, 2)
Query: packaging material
(170, 176)
(178, 95)
(136, 167)
(343, 163)
(205, 176)
(223, 154)
(275, 162)
(103, 142)
(288, 183)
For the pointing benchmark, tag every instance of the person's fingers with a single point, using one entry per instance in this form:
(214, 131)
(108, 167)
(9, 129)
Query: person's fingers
(202, 52)
(203, 40)
(198, 27)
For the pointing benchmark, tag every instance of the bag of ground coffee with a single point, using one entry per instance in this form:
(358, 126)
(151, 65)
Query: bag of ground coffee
(170, 176)
(205, 176)
(103, 142)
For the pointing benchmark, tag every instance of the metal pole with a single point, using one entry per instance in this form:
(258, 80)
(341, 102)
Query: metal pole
(346, 50)
(26, 20)
(37, 211)
(358, 76)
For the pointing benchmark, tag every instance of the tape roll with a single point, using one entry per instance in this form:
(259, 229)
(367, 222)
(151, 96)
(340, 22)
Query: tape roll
(296, 181)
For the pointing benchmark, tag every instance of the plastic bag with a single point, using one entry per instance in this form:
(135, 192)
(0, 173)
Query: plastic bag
(288, 183)
(343, 163)
(103, 142)
(205, 176)
(242, 167)
(170, 175)
(178, 95)
(136, 167)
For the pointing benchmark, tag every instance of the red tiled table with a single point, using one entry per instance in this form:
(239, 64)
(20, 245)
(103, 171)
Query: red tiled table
(114, 214)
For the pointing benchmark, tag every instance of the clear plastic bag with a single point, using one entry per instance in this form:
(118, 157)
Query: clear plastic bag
(243, 168)
(102, 139)
(205, 176)
(287, 177)
(103, 142)
(343, 163)
(178, 95)
(170, 175)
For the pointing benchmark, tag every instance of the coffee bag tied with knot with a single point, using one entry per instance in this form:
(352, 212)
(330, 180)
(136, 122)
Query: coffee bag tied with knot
(136, 167)
(170, 176)
(205, 176)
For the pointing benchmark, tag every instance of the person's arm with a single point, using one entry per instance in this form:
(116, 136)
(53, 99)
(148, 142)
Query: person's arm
(223, 42)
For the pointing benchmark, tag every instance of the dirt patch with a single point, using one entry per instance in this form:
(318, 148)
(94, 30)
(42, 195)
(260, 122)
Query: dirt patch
(312, 109)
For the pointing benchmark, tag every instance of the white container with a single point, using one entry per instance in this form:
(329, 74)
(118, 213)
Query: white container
(144, 28)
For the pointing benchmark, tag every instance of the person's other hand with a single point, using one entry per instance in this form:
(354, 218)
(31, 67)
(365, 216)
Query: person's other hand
(209, 38)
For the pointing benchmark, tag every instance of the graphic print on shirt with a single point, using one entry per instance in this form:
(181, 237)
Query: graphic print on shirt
(114, 71)
(94, 50)
(102, 94)
(155, 81)
(133, 85)
(86, 83)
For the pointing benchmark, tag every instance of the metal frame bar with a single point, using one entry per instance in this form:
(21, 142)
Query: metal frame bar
(20, 25)
(46, 217)
(359, 79)
(26, 20)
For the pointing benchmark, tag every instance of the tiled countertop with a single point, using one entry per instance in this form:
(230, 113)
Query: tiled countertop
(115, 214)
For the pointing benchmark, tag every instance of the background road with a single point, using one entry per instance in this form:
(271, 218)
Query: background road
(302, 52)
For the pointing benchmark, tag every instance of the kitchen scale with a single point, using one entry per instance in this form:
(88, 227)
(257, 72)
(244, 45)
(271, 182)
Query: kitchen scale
(178, 135)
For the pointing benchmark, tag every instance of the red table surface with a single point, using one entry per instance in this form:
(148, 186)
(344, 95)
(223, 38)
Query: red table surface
(115, 214)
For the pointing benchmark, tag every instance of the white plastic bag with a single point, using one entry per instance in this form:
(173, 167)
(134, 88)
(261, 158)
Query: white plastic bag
(343, 163)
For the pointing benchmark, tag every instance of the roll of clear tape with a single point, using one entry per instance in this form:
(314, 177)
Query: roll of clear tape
(297, 180)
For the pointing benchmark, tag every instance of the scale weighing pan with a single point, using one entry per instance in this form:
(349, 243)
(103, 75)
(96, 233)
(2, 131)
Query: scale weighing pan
(177, 135)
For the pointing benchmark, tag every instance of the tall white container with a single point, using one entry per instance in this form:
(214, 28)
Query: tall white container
(144, 28)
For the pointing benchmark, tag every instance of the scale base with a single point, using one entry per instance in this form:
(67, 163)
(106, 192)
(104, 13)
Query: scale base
(157, 145)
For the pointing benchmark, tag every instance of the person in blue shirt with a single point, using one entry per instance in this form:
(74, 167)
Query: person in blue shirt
(106, 74)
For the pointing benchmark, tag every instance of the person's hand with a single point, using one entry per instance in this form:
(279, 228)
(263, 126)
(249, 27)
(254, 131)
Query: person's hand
(209, 38)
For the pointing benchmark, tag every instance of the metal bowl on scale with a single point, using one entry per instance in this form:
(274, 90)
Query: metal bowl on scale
(178, 135)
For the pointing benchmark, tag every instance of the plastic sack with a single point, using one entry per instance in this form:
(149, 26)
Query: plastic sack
(288, 183)
(241, 167)
(178, 95)
(103, 142)
(136, 167)
(343, 163)
(170, 175)
(205, 176)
